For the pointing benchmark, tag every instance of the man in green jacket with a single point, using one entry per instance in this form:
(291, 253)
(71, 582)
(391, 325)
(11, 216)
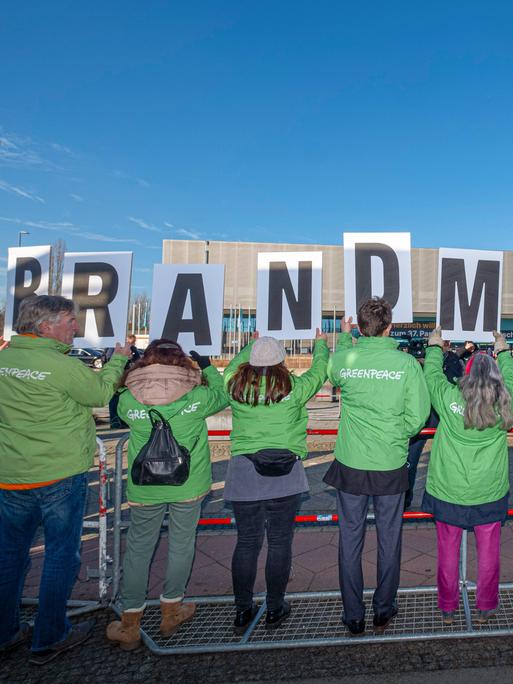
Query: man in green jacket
(47, 445)
(385, 401)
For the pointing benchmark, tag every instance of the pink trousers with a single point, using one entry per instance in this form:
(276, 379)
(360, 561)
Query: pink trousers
(488, 565)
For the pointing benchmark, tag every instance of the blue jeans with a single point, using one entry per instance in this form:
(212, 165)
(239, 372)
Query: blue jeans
(59, 508)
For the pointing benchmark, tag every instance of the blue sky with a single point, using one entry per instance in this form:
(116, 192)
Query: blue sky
(123, 123)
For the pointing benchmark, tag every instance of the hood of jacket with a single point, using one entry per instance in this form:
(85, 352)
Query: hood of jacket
(158, 384)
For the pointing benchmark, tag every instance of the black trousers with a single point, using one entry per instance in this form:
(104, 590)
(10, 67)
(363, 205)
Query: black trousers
(253, 518)
(352, 510)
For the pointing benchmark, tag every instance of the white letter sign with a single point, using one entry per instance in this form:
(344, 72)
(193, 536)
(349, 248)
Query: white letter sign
(27, 274)
(378, 265)
(99, 285)
(289, 294)
(187, 306)
(469, 293)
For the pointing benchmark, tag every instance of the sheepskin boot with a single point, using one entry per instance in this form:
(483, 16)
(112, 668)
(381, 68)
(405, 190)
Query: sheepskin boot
(127, 630)
(174, 614)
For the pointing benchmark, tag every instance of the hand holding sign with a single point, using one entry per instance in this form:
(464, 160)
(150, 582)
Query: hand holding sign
(500, 343)
(346, 325)
(435, 339)
(124, 351)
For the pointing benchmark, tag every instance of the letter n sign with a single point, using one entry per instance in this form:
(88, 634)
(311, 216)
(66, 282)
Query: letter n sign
(469, 293)
(289, 294)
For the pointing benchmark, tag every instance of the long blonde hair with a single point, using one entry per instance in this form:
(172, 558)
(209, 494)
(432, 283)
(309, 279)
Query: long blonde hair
(487, 399)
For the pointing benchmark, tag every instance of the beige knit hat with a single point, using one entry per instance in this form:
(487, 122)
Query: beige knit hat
(266, 351)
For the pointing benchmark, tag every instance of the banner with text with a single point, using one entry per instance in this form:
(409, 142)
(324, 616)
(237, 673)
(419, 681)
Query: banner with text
(469, 293)
(99, 285)
(187, 306)
(378, 265)
(289, 294)
(27, 273)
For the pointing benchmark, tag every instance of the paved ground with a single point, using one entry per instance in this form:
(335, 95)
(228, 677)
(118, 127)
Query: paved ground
(314, 568)
(97, 661)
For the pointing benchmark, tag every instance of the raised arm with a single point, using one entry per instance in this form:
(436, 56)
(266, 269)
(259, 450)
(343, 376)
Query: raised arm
(436, 381)
(216, 398)
(504, 360)
(308, 384)
(417, 402)
(344, 341)
(95, 388)
(241, 357)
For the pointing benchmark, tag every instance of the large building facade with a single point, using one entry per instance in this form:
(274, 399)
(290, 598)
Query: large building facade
(240, 260)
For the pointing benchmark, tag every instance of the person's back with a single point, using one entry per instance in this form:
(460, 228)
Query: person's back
(265, 475)
(468, 475)
(47, 445)
(167, 380)
(384, 403)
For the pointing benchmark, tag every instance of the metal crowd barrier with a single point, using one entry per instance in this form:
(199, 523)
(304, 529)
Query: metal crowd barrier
(316, 616)
(77, 607)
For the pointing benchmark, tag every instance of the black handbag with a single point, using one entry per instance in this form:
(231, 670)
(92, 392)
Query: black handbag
(273, 462)
(161, 461)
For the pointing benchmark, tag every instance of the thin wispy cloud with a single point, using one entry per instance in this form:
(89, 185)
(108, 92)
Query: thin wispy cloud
(77, 198)
(100, 237)
(169, 225)
(63, 226)
(62, 148)
(20, 152)
(145, 225)
(141, 182)
(20, 192)
(143, 269)
(24, 152)
(70, 228)
(189, 233)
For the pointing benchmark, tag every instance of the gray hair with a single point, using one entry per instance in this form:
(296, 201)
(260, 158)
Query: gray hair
(36, 309)
(487, 399)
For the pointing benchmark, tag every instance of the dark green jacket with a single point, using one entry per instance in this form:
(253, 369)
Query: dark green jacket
(466, 466)
(187, 419)
(384, 402)
(47, 430)
(281, 425)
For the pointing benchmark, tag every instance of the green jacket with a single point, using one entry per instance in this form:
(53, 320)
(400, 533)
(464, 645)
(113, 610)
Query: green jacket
(281, 425)
(466, 466)
(384, 402)
(187, 419)
(47, 431)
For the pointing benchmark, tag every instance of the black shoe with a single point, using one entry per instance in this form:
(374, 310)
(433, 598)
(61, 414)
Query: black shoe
(380, 622)
(274, 618)
(243, 618)
(19, 638)
(79, 633)
(355, 627)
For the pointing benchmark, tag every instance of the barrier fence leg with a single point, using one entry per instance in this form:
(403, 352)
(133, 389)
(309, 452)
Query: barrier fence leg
(463, 579)
(118, 497)
(102, 521)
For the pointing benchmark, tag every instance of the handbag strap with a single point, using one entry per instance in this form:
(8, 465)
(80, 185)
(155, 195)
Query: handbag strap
(160, 419)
